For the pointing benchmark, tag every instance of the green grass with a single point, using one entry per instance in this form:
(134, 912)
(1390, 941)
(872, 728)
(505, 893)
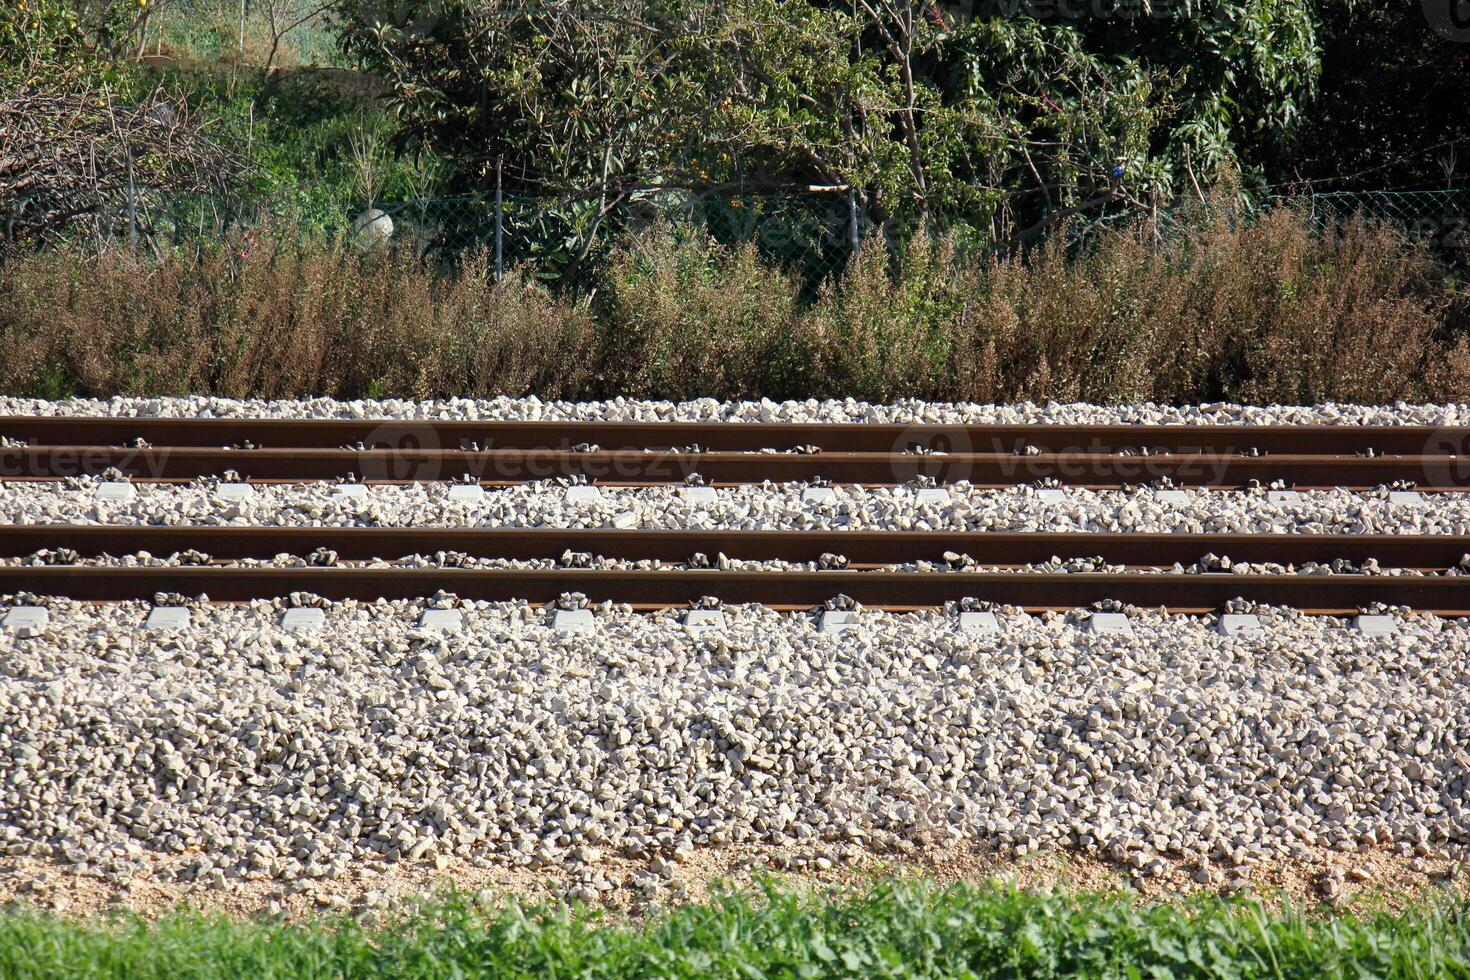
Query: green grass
(895, 929)
(296, 134)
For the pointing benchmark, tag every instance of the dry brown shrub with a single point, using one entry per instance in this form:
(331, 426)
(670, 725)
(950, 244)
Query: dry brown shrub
(1263, 311)
(686, 318)
(272, 316)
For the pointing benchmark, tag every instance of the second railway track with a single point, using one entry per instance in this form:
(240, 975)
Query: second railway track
(995, 548)
(1356, 457)
(845, 437)
(613, 453)
(1189, 592)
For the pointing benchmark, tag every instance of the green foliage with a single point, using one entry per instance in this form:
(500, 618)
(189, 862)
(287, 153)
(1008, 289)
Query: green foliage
(984, 117)
(64, 44)
(893, 929)
(33, 34)
(1392, 110)
(298, 133)
(209, 31)
(60, 44)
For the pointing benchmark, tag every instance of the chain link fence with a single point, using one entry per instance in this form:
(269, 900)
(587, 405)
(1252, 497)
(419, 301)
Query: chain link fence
(1438, 218)
(814, 235)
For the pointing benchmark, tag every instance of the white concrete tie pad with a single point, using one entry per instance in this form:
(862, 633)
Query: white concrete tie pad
(234, 491)
(833, 622)
(25, 617)
(305, 620)
(818, 495)
(115, 491)
(933, 495)
(704, 620)
(1375, 625)
(583, 494)
(165, 618)
(1240, 624)
(1406, 498)
(1108, 622)
(1289, 497)
(441, 620)
(351, 491)
(1173, 498)
(572, 621)
(466, 493)
(978, 622)
(698, 495)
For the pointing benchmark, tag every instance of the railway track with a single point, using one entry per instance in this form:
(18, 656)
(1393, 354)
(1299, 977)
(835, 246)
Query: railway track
(1107, 456)
(870, 548)
(1188, 592)
(1406, 440)
(1353, 457)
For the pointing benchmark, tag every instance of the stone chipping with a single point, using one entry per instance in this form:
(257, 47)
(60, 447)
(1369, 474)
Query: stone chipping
(710, 410)
(750, 507)
(230, 752)
(249, 752)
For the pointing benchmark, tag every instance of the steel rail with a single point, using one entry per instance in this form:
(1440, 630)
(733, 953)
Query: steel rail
(1436, 552)
(1335, 594)
(738, 436)
(644, 468)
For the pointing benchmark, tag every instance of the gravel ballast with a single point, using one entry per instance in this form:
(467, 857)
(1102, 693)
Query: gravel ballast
(750, 507)
(230, 753)
(756, 507)
(710, 410)
(258, 753)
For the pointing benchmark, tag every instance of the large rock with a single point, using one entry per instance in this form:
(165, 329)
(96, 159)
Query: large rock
(372, 227)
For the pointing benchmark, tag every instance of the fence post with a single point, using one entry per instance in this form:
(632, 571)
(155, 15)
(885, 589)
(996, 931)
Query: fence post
(499, 225)
(852, 220)
(132, 203)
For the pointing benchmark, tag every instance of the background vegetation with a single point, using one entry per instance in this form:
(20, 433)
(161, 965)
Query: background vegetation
(1054, 200)
(1261, 311)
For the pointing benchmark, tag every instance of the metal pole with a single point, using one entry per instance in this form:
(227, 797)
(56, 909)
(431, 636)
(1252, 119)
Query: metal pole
(132, 205)
(499, 225)
(852, 220)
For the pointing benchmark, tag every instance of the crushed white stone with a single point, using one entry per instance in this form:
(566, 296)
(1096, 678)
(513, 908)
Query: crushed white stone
(279, 755)
(710, 410)
(752, 507)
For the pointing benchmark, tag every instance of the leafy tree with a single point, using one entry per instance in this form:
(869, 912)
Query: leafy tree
(982, 115)
(59, 42)
(1393, 110)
